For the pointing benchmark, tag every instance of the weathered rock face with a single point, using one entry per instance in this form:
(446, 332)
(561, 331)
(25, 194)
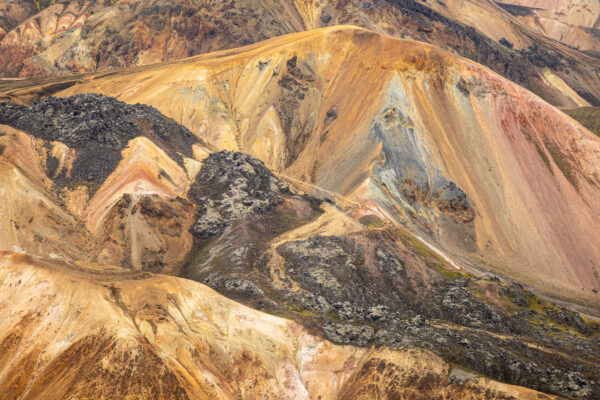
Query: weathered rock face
(145, 231)
(98, 128)
(232, 186)
(410, 178)
(112, 176)
(118, 334)
(333, 270)
(373, 287)
(242, 206)
(476, 35)
(12, 12)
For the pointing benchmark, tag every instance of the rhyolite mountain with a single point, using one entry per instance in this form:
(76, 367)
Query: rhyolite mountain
(334, 284)
(475, 165)
(572, 22)
(44, 38)
(375, 218)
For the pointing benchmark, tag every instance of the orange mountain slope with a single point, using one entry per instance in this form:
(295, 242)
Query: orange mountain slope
(465, 158)
(48, 38)
(73, 331)
(573, 22)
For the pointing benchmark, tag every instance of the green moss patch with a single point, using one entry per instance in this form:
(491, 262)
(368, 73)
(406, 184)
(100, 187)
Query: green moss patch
(587, 116)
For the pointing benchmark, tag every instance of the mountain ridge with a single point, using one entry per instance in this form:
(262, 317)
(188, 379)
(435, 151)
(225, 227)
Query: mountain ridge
(234, 114)
(473, 28)
(383, 200)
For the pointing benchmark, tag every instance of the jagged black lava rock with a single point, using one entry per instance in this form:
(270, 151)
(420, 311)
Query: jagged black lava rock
(231, 185)
(10, 112)
(363, 289)
(98, 127)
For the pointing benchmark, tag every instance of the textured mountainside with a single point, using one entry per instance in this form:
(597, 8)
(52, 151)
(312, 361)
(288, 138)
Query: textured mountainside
(358, 188)
(587, 116)
(356, 280)
(75, 36)
(471, 162)
(573, 22)
(74, 331)
(91, 169)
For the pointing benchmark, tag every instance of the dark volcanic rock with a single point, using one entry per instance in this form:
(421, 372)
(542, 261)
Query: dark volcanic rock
(298, 82)
(504, 42)
(373, 288)
(85, 118)
(464, 308)
(375, 302)
(242, 207)
(334, 268)
(232, 185)
(98, 127)
(569, 318)
(348, 334)
(326, 18)
(234, 286)
(517, 294)
(10, 112)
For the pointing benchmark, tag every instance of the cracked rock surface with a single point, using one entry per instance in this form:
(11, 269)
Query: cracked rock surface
(232, 185)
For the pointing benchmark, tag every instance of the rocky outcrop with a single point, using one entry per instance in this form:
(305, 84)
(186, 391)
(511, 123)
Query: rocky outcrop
(108, 332)
(111, 174)
(412, 179)
(374, 288)
(334, 269)
(231, 186)
(242, 206)
(461, 320)
(98, 128)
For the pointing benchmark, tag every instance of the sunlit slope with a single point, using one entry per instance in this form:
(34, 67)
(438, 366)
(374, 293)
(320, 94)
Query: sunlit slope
(50, 38)
(465, 158)
(75, 332)
(573, 22)
(132, 212)
(30, 218)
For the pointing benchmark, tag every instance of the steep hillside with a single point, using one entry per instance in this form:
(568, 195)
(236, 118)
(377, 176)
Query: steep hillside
(92, 178)
(573, 22)
(360, 280)
(353, 280)
(352, 277)
(27, 27)
(469, 161)
(76, 331)
(586, 116)
(76, 37)
(379, 198)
